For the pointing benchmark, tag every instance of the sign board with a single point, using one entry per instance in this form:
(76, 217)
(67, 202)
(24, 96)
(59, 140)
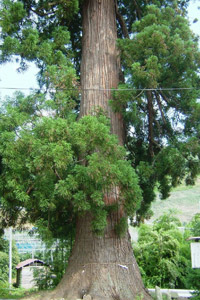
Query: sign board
(195, 255)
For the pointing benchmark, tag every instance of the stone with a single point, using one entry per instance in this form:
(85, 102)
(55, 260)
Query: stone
(168, 295)
(87, 297)
(158, 293)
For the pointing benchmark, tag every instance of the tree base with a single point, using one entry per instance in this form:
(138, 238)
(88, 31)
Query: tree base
(102, 267)
(108, 282)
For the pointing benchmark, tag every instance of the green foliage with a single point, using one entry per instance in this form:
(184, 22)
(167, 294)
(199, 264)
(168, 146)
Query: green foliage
(161, 42)
(164, 256)
(161, 253)
(161, 62)
(170, 167)
(4, 260)
(14, 293)
(121, 227)
(193, 283)
(195, 225)
(56, 262)
(57, 168)
(54, 168)
(59, 163)
(192, 279)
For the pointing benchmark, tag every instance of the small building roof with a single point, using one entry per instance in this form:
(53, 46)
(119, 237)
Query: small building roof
(194, 238)
(29, 262)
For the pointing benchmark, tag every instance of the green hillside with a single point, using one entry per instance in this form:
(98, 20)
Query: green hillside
(184, 200)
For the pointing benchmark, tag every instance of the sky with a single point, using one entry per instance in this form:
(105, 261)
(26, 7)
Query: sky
(10, 78)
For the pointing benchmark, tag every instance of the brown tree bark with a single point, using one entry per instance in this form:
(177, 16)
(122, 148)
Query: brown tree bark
(100, 64)
(103, 267)
(150, 121)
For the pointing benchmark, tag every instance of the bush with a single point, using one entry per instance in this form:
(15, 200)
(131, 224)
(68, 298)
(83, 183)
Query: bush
(4, 266)
(162, 253)
(49, 277)
(195, 225)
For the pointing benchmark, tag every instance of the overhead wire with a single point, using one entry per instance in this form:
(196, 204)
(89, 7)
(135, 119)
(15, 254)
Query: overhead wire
(101, 89)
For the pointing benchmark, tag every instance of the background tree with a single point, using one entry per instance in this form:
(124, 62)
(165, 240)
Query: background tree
(160, 60)
(192, 280)
(68, 172)
(4, 260)
(195, 225)
(56, 257)
(163, 254)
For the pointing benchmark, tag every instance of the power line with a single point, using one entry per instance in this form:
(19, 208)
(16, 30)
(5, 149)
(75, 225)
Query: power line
(101, 89)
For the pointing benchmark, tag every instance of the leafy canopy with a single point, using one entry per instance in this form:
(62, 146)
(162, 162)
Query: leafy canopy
(54, 168)
(163, 254)
(44, 154)
(161, 62)
(164, 245)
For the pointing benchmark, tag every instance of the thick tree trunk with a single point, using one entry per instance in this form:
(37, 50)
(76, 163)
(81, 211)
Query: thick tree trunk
(100, 64)
(103, 267)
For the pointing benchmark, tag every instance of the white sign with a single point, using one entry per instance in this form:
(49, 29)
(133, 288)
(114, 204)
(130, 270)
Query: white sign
(195, 255)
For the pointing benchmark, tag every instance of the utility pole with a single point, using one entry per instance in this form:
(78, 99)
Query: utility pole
(10, 257)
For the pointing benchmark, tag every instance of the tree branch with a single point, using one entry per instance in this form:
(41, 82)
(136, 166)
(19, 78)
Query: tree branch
(138, 11)
(160, 107)
(150, 121)
(56, 172)
(156, 144)
(121, 22)
(164, 97)
(40, 11)
(29, 189)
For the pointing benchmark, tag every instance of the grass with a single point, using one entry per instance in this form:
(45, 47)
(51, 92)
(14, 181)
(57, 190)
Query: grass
(184, 200)
(20, 293)
(14, 293)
